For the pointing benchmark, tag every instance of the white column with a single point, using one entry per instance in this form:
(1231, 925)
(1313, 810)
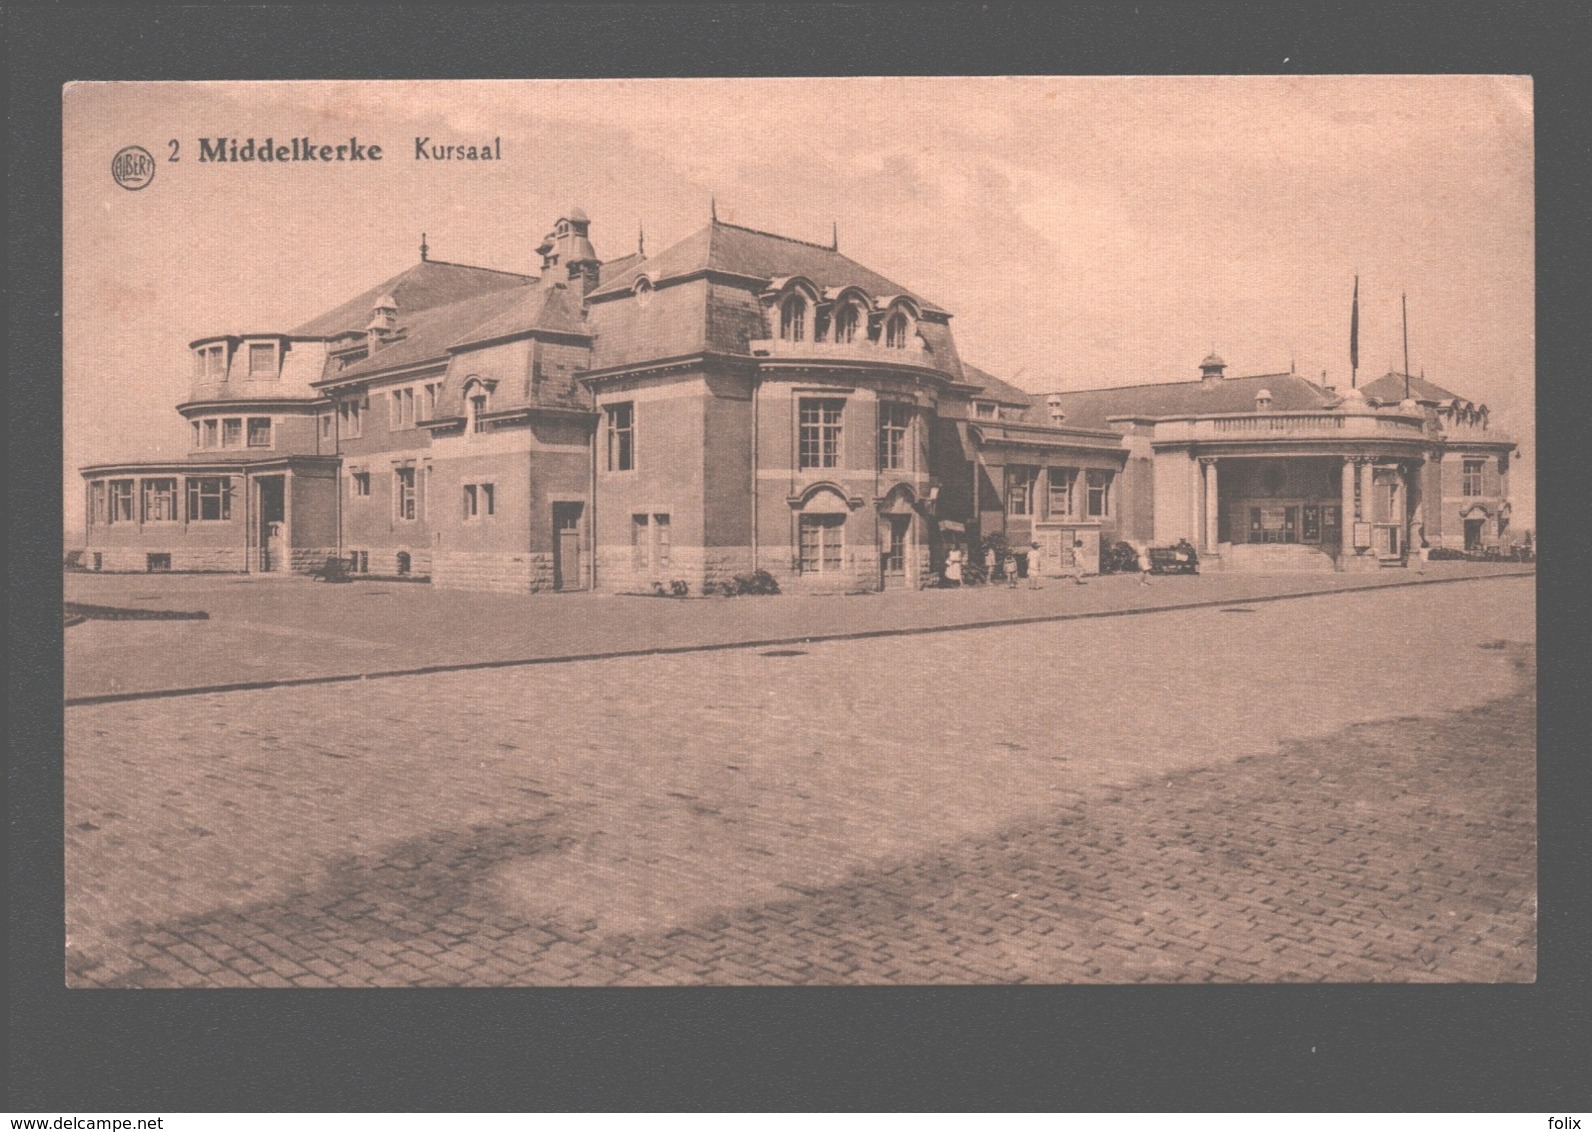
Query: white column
(1211, 506)
(1347, 523)
(1367, 480)
(1196, 511)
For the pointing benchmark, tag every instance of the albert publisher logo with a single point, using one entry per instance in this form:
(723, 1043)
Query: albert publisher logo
(133, 167)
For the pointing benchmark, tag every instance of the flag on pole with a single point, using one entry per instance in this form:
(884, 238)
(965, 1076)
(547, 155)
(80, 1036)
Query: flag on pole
(1354, 331)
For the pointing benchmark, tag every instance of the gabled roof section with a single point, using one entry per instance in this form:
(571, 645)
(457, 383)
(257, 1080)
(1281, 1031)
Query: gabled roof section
(734, 250)
(427, 335)
(556, 309)
(1389, 389)
(994, 388)
(428, 284)
(1093, 408)
(617, 267)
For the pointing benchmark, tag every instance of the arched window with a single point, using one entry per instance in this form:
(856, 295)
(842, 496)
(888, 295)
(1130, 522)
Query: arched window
(793, 318)
(642, 289)
(895, 331)
(477, 403)
(846, 322)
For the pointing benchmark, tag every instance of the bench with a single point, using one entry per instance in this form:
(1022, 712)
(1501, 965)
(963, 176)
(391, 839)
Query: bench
(333, 570)
(1170, 560)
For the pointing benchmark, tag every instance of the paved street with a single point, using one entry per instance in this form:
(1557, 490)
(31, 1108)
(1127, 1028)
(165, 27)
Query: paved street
(1337, 787)
(269, 628)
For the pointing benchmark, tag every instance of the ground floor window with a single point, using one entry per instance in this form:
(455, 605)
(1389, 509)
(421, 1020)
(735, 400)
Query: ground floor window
(259, 432)
(359, 485)
(479, 500)
(96, 501)
(121, 501)
(209, 498)
(649, 541)
(1060, 501)
(403, 493)
(157, 563)
(1099, 483)
(160, 500)
(822, 537)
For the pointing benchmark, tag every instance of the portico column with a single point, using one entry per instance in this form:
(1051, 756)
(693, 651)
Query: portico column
(1346, 532)
(1196, 511)
(1211, 529)
(1367, 482)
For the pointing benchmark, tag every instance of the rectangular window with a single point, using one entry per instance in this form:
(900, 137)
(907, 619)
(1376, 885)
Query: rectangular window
(1020, 490)
(401, 410)
(359, 485)
(259, 432)
(818, 445)
(893, 421)
(326, 426)
(430, 406)
(621, 437)
(232, 432)
(1099, 480)
(210, 362)
(479, 500)
(262, 359)
(822, 537)
(209, 499)
(121, 501)
(348, 418)
(1061, 484)
(160, 501)
(1472, 476)
(211, 434)
(660, 541)
(96, 501)
(403, 493)
(194, 425)
(984, 411)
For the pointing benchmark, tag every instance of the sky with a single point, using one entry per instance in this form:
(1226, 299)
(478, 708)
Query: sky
(1082, 231)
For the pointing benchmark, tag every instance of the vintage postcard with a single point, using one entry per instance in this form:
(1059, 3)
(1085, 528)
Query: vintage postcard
(909, 531)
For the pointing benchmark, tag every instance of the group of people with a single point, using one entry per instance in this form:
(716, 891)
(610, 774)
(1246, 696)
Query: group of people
(955, 572)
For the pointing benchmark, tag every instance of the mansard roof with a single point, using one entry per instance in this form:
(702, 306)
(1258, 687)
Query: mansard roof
(1092, 408)
(428, 284)
(733, 250)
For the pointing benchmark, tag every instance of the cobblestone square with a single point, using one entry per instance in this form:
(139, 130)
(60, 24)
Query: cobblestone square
(1218, 794)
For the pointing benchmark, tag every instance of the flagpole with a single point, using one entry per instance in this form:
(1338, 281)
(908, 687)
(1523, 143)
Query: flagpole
(1404, 304)
(1354, 337)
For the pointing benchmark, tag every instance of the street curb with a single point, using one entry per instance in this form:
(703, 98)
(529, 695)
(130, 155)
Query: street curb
(674, 650)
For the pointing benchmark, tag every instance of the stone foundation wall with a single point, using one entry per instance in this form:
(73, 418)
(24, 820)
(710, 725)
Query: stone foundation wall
(135, 559)
(491, 571)
(307, 560)
(695, 565)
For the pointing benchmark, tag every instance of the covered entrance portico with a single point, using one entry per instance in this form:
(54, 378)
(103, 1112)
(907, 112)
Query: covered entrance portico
(1279, 492)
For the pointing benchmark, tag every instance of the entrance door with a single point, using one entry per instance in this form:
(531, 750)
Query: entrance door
(895, 555)
(1473, 534)
(567, 572)
(273, 522)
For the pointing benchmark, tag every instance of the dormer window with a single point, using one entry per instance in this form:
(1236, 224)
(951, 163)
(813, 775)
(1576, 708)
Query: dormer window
(477, 404)
(793, 318)
(984, 410)
(1263, 401)
(262, 360)
(643, 291)
(210, 362)
(896, 328)
(846, 321)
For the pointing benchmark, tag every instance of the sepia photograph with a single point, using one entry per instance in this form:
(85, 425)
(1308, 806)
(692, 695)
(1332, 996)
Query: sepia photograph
(896, 531)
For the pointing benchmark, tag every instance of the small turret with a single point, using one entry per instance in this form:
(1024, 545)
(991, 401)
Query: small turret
(568, 246)
(383, 321)
(1212, 368)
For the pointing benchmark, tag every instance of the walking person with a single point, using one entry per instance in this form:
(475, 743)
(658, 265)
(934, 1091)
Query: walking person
(1075, 569)
(1142, 552)
(1009, 564)
(1034, 555)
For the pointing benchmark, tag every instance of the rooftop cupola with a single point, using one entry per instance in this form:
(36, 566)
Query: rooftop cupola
(568, 246)
(383, 321)
(1212, 368)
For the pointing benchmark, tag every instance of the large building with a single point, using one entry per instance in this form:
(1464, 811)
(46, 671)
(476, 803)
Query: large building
(745, 401)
